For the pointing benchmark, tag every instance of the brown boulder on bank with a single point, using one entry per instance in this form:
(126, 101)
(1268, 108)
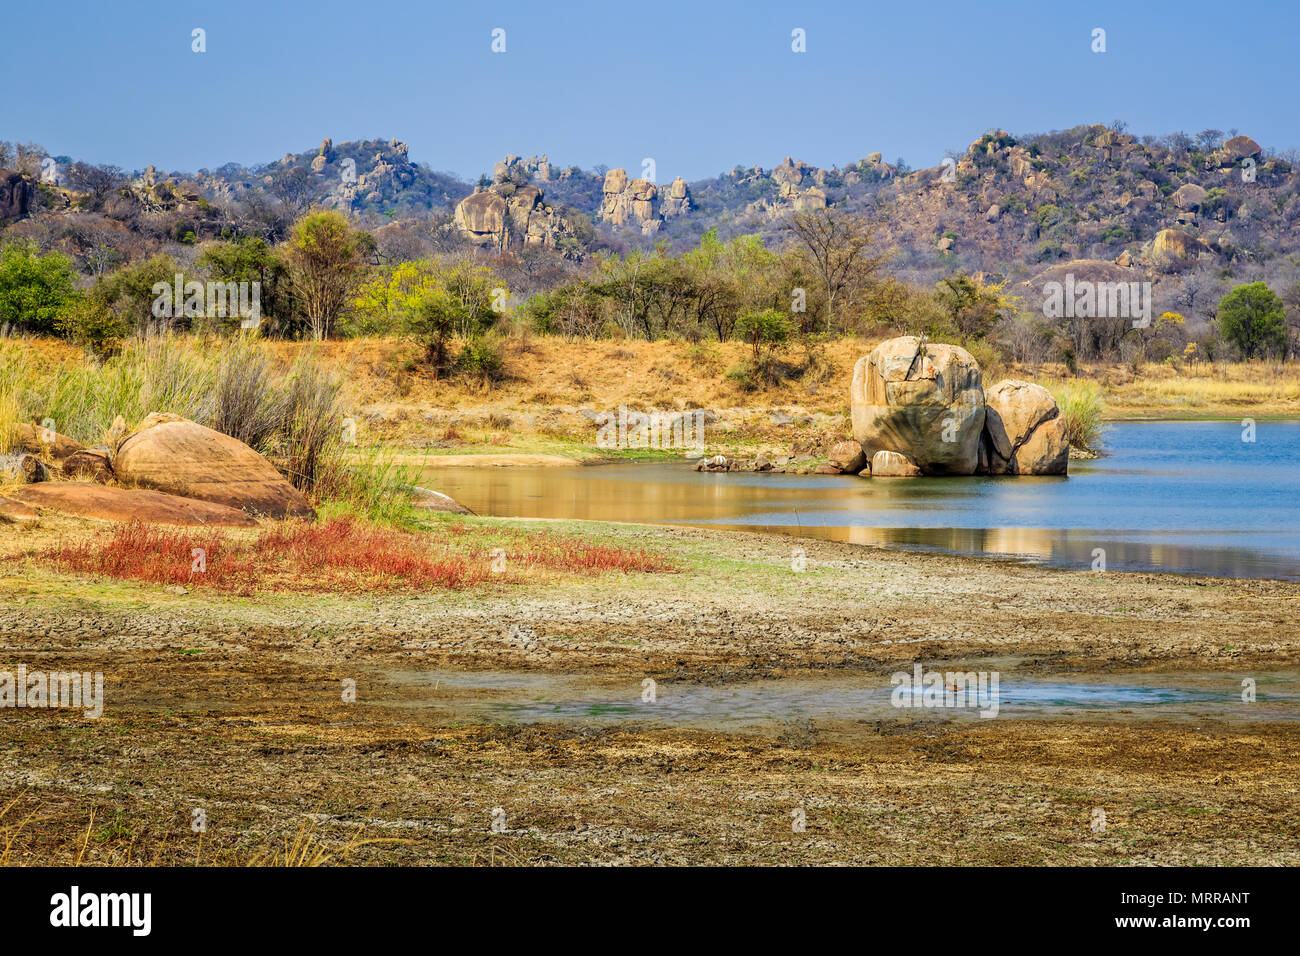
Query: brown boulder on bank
(108, 503)
(15, 512)
(924, 399)
(183, 458)
(45, 444)
(847, 457)
(89, 463)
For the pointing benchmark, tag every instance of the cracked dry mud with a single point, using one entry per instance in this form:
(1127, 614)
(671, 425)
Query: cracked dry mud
(233, 705)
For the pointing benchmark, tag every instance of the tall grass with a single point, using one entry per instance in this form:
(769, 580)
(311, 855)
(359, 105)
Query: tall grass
(1082, 405)
(245, 403)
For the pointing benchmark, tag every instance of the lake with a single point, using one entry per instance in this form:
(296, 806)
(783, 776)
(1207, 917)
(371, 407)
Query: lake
(1187, 497)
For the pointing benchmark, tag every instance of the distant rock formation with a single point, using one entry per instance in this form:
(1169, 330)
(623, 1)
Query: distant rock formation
(633, 202)
(505, 214)
(16, 193)
(678, 200)
(534, 168)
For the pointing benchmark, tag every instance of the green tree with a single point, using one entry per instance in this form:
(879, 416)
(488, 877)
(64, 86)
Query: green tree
(434, 321)
(1253, 319)
(252, 259)
(326, 257)
(34, 289)
(763, 330)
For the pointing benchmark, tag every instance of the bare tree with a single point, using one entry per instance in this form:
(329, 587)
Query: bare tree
(838, 244)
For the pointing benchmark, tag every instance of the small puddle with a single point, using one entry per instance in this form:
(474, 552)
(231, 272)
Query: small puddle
(526, 697)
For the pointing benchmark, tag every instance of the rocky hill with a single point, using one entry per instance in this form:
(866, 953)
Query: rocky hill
(1006, 206)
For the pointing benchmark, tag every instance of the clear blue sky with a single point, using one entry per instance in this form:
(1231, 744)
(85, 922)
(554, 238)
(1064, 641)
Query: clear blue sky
(699, 86)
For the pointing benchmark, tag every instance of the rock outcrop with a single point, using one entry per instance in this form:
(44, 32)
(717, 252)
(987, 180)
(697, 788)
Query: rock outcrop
(46, 444)
(511, 213)
(109, 503)
(630, 202)
(847, 457)
(1172, 249)
(1024, 431)
(922, 400)
(678, 200)
(16, 192)
(181, 457)
(15, 512)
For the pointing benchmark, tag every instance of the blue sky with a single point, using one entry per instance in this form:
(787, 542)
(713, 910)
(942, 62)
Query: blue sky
(698, 86)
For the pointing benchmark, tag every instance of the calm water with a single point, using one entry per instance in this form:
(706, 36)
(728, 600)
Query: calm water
(527, 696)
(1182, 496)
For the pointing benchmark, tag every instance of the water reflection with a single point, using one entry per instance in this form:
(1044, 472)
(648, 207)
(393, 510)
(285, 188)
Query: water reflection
(1187, 496)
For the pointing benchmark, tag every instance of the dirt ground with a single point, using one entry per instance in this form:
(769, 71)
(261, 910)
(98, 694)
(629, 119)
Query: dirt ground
(232, 706)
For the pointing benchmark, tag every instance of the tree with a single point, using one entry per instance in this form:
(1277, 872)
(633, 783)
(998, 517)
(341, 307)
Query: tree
(325, 255)
(973, 307)
(251, 259)
(130, 293)
(1253, 319)
(97, 182)
(433, 321)
(838, 245)
(763, 330)
(34, 289)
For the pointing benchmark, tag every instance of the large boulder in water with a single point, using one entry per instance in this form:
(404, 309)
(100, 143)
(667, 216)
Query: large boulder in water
(922, 400)
(1024, 431)
(183, 458)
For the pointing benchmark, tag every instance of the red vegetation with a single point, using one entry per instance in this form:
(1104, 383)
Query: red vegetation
(339, 555)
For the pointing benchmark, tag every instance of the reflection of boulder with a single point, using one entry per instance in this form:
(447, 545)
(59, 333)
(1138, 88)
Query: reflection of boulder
(1024, 432)
(183, 458)
(922, 400)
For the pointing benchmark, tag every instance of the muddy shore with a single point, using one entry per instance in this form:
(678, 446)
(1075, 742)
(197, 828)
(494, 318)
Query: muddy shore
(233, 706)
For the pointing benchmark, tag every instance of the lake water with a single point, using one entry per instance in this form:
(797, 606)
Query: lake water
(528, 696)
(1174, 496)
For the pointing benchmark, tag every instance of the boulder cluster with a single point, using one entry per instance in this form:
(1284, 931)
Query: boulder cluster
(920, 408)
(168, 470)
(637, 202)
(507, 214)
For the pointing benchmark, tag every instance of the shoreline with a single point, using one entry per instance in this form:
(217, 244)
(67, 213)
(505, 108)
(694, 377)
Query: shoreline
(257, 681)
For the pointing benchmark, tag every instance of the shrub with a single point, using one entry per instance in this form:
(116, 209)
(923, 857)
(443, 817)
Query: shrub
(310, 422)
(34, 289)
(246, 406)
(1082, 406)
(481, 359)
